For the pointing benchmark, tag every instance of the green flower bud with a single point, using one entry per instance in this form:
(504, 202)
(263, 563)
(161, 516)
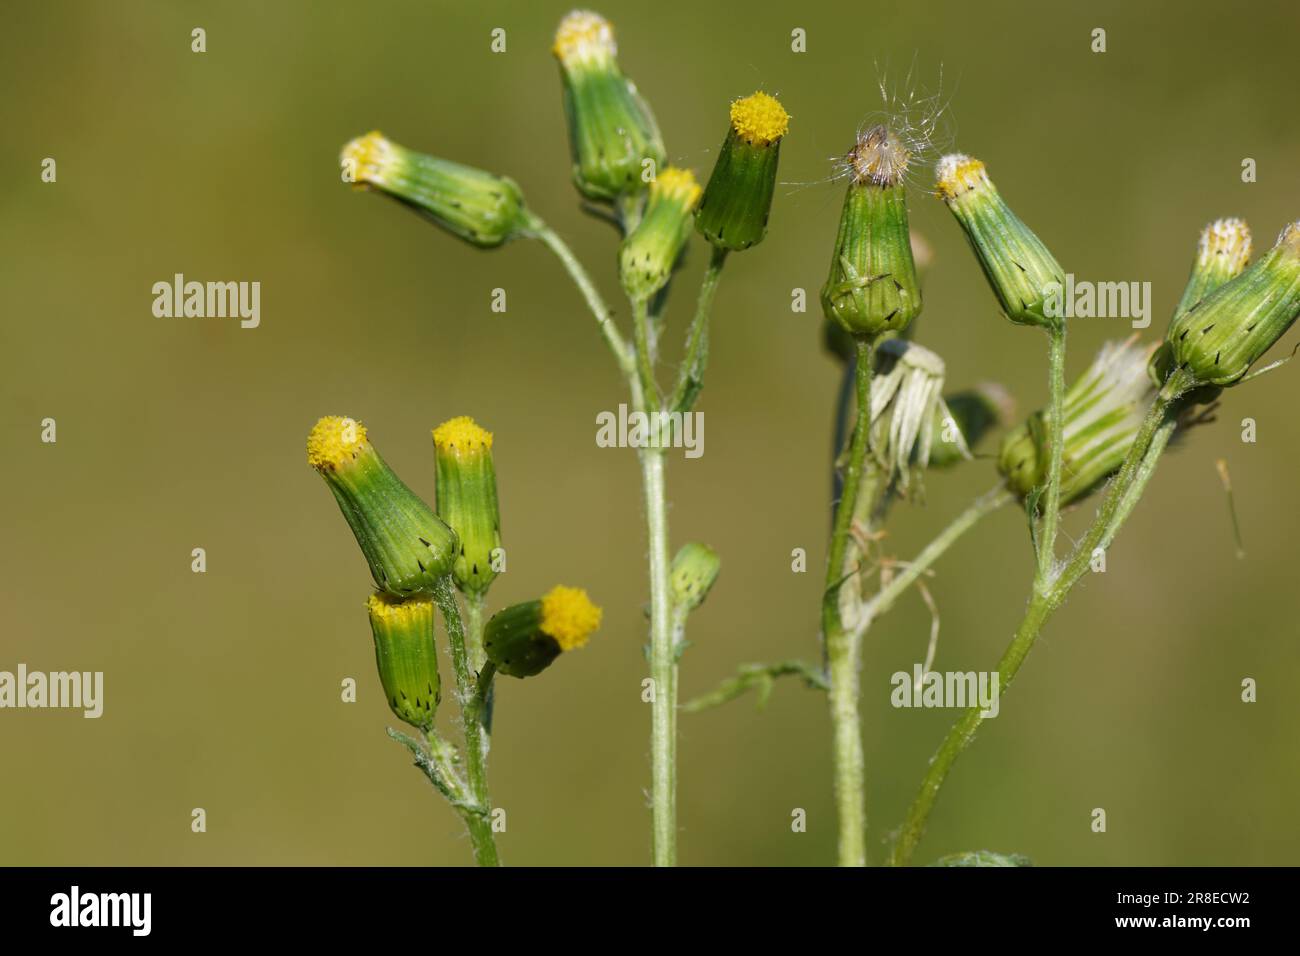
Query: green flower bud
(406, 656)
(467, 499)
(1221, 254)
(523, 639)
(1221, 336)
(694, 570)
(1103, 411)
(1020, 459)
(612, 132)
(1024, 276)
(873, 287)
(647, 256)
(838, 341)
(406, 545)
(970, 415)
(738, 198)
(481, 208)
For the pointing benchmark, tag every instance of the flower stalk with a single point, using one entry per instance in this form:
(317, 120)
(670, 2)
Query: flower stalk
(843, 648)
(1118, 505)
(470, 689)
(1045, 540)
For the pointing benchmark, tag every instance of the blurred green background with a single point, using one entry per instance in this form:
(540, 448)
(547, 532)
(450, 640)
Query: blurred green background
(222, 689)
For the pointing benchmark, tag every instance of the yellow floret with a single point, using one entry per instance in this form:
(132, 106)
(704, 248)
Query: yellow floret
(334, 442)
(759, 118)
(392, 610)
(677, 184)
(569, 616)
(958, 173)
(369, 158)
(461, 434)
(584, 36)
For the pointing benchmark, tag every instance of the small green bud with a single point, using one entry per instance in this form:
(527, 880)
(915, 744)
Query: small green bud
(613, 136)
(873, 287)
(406, 545)
(1103, 412)
(971, 414)
(1020, 459)
(738, 198)
(647, 256)
(479, 207)
(467, 499)
(524, 639)
(694, 570)
(1222, 335)
(1221, 254)
(406, 656)
(1027, 280)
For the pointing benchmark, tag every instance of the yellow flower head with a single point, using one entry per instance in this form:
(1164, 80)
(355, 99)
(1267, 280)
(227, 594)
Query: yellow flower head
(370, 159)
(335, 441)
(462, 435)
(389, 609)
(569, 616)
(957, 174)
(584, 37)
(759, 118)
(677, 184)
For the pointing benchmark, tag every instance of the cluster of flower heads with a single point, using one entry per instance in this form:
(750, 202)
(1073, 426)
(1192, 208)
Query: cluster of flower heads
(1229, 316)
(618, 158)
(415, 553)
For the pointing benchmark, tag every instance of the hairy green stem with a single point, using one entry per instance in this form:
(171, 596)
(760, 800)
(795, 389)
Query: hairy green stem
(634, 362)
(1121, 498)
(604, 317)
(645, 354)
(690, 378)
(474, 604)
(474, 632)
(760, 676)
(843, 649)
(843, 403)
(663, 665)
(477, 818)
(438, 764)
(1046, 538)
(1141, 475)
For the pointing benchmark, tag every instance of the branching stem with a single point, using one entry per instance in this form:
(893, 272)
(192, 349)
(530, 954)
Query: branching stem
(1121, 498)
